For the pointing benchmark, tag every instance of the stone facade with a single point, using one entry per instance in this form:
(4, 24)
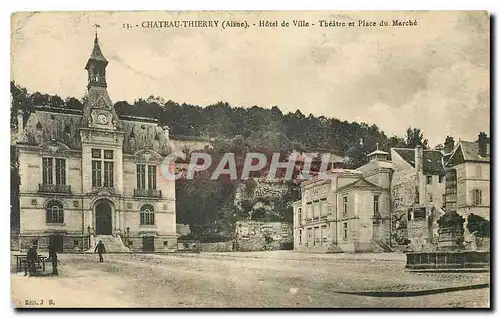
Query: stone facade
(418, 196)
(259, 236)
(346, 210)
(91, 172)
(468, 183)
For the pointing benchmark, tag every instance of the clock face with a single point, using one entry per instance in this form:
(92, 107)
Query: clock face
(102, 119)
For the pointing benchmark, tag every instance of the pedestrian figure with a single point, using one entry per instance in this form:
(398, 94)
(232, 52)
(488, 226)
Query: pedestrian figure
(31, 259)
(53, 258)
(100, 249)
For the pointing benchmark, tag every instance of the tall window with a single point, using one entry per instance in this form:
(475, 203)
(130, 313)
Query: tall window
(143, 178)
(376, 204)
(430, 197)
(102, 177)
(315, 207)
(441, 178)
(300, 236)
(323, 208)
(147, 215)
(53, 169)
(344, 211)
(429, 179)
(309, 211)
(152, 177)
(477, 197)
(54, 212)
(345, 230)
(60, 171)
(323, 234)
(300, 216)
(317, 236)
(47, 171)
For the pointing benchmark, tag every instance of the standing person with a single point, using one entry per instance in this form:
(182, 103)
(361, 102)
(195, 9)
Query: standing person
(100, 249)
(53, 258)
(31, 258)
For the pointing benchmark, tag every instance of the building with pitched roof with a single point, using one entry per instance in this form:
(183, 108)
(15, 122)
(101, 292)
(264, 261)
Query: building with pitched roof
(93, 175)
(417, 195)
(346, 210)
(468, 177)
(381, 205)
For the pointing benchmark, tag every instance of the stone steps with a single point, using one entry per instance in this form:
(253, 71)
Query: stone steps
(112, 244)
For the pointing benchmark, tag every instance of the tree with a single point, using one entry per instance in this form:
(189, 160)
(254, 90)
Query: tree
(479, 226)
(73, 103)
(415, 137)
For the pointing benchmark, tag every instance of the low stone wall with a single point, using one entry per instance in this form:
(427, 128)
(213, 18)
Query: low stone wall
(448, 260)
(216, 247)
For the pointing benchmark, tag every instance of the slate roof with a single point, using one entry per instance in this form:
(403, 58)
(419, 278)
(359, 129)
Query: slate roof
(361, 184)
(433, 160)
(470, 151)
(50, 124)
(96, 54)
(47, 123)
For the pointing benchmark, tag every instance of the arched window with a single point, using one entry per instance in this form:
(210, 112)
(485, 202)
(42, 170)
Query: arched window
(147, 215)
(54, 212)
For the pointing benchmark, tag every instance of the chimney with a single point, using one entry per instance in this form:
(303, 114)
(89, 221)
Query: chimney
(449, 144)
(20, 124)
(419, 172)
(166, 130)
(483, 144)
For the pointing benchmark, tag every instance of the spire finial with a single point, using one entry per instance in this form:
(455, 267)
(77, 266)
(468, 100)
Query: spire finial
(96, 26)
(377, 145)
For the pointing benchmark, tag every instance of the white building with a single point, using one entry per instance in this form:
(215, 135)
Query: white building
(95, 174)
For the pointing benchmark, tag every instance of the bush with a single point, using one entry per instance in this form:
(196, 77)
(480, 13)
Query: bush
(478, 225)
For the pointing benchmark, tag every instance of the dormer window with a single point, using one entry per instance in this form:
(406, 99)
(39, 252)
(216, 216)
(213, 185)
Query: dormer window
(39, 126)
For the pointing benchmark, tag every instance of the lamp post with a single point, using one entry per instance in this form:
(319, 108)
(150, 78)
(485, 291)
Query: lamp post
(88, 230)
(128, 236)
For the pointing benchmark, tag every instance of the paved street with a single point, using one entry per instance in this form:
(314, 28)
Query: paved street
(260, 279)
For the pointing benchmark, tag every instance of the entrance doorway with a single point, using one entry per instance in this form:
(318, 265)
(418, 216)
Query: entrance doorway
(148, 243)
(103, 219)
(57, 242)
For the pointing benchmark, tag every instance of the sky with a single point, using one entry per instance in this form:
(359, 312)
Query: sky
(434, 76)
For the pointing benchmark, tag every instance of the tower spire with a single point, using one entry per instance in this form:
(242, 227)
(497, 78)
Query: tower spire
(96, 65)
(96, 26)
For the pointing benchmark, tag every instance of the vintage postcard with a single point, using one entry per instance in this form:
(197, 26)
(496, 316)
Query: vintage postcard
(251, 159)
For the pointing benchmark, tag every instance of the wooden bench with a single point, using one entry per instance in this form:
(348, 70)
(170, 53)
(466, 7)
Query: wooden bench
(22, 264)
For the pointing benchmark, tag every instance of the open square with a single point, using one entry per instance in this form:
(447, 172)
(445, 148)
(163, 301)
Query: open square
(253, 279)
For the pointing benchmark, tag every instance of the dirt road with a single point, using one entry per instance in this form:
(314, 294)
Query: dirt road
(266, 279)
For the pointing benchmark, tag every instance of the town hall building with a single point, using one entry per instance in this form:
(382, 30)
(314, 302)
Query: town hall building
(94, 175)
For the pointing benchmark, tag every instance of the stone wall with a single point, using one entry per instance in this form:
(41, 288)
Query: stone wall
(216, 247)
(417, 233)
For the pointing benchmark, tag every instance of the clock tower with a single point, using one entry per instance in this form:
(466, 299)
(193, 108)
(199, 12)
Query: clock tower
(101, 130)
(98, 110)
